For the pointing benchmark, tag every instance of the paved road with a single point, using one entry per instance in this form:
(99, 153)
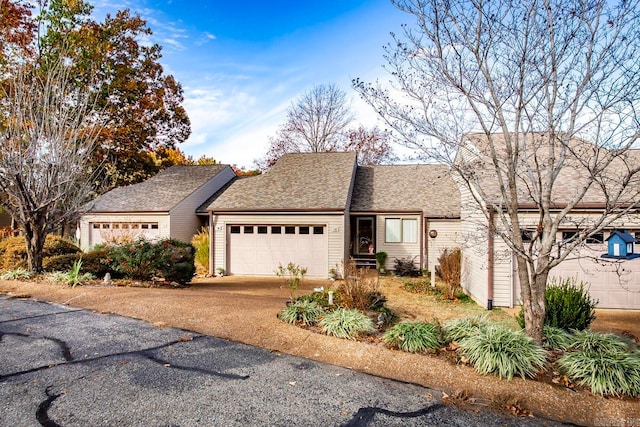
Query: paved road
(61, 366)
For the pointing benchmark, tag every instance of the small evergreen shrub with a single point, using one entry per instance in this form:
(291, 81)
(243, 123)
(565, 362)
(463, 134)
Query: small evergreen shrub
(344, 323)
(174, 260)
(97, 262)
(303, 312)
(14, 250)
(200, 242)
(414, 337)
(406, 267)
(503, 352)
(606, 372)
(133, 260)
(568, 305)
(60, 262)
(320, 298)
(556, 338)
(458, 329)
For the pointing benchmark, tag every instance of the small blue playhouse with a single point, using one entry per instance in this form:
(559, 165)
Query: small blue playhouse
(620, 245)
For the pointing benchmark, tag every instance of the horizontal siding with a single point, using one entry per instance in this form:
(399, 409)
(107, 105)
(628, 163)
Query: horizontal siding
(503, 295)
(162, 219)
(335, 228)
(184, 221)
(398, 250)
(448, 238)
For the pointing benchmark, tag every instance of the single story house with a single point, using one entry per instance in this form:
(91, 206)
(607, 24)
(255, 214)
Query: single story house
(489, 272)
(163, 206)
(318, 209)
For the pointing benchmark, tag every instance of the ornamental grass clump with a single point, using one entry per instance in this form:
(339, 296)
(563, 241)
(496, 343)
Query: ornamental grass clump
(556, 338)
(344, 323)
(16, 274)
(302, 312)
(414, 337)
(503, 352)
(595, 342)
(606, 370)
(458, 329)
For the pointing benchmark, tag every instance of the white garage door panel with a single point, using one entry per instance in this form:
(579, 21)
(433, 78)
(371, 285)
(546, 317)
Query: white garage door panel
(260, 254)
(103, 232)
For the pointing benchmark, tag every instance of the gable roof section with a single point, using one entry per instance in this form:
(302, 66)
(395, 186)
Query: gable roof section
(297, 182)
(160, 193)
(534, 148)
(426, 188)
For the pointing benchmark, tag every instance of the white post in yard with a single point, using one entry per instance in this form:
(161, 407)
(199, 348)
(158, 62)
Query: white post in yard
(433, 234)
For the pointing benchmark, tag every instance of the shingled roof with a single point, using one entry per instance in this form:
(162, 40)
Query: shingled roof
(426, 188)
(297, 182)
(534, 149)
(160, 193)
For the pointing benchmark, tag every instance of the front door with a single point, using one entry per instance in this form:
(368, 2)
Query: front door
(365, 233)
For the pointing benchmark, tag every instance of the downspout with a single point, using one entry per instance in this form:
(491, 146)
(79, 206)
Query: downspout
(211, 245)
(490, 261)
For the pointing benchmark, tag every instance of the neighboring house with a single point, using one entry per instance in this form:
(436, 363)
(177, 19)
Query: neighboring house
(395, 206)
(489, 270)
(164, 206)
(318, 209)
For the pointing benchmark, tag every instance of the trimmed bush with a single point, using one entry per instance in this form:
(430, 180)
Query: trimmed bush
(303, 312)
(458, 329)
(13, 250)
(133, 260)
(175, 260)
(414, 337)
(503, 352)
(343, 323)
(97, 263)
(60, 262)
(605, 372)
(568, 305)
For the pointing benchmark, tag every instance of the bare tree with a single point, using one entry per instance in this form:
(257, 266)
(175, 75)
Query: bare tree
(48, 128)
(318, 121)
(538, 99)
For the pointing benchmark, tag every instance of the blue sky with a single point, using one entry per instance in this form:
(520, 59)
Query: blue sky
(242, 63)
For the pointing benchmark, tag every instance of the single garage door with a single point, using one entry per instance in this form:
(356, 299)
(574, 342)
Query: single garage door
(116, 232)
(259, 249)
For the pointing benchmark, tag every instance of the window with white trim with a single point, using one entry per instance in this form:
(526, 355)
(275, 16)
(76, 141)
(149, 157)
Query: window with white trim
(398, 230)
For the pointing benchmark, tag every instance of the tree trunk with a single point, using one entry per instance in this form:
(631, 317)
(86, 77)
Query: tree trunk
(534, 308)
(35, 235)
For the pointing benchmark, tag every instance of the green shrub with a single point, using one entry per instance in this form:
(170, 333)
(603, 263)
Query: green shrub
(60, 262)
(97, 262)
(344, 323)
(503, 352)
(590, 341)
(14, 250)
(303, 312)
(568, 305)
(320, 298)
(605, 372)
(16, 274)
(406, 267)
(458, 329)
(200, 242)
(414, 337)
(133, 260)
(556, 338)
(175, 260)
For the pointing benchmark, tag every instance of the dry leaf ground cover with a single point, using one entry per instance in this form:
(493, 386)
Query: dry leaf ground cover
(245, 310)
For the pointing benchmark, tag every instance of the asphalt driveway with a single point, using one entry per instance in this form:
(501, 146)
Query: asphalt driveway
(62, 366)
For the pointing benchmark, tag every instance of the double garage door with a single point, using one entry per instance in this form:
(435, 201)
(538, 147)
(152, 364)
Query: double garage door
(260, 249)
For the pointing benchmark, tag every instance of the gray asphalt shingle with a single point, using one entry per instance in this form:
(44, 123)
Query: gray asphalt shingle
(394, 188)
(297, 182)
(157, 194)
